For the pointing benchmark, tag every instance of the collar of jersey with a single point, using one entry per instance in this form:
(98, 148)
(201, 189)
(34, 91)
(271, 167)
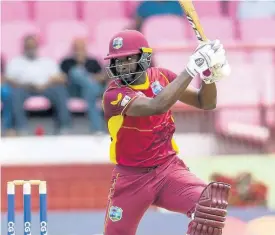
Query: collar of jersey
(143, 86)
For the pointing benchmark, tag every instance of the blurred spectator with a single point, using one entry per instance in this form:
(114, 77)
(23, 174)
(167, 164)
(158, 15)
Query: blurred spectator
(7, 121)
(85, 75)
(256, 9)
(147, 9)
(31, 75)
(245, 190)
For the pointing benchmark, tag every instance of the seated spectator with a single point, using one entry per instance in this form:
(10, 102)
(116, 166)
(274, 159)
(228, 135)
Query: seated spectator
(147, 9)
(31, 75)
(84, 73)
(7, 121)
(256, 9)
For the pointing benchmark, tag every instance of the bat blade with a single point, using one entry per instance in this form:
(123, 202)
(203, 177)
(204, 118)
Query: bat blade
(193, 19)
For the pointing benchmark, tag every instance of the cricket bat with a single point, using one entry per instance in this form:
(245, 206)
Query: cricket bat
(193, 19)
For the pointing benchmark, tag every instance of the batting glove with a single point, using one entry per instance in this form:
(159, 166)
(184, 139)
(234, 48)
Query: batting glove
(219, 70)
(216, 73)
(206, 56)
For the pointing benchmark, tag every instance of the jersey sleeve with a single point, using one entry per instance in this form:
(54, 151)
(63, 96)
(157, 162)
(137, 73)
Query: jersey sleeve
(117, 101)
(169, 75)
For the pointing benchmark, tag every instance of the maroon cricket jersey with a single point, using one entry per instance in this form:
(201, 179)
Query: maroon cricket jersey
(139, 141)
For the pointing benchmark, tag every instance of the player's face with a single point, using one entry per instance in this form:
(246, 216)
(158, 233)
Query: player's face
(126, 65)
(126, 68)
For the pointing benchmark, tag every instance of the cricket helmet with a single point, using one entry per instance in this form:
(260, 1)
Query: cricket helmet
(126, 44)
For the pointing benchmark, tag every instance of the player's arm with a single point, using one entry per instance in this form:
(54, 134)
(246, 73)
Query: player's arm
(206, 97)
(200, 61)
(143, 106)
(203, 98)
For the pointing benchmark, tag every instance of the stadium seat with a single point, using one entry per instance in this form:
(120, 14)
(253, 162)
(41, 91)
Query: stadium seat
(266, 57)
(71, 29)
(217, 27)
(257, 30)
(270, 116)
(261, 226)
(234, 226)
(98, 51)
(55, 51)
(233, 6)
(241, 96)
(93, 11)
(266, 73)
(174, 61)
(77, 105)
(237, 57)
(268, 95)
(158, 30)
(51, 11)
(14, 11)
(12, 35)
(237, 130)
(245, 85)
(37, 103)
(207, 8)
(106, 29)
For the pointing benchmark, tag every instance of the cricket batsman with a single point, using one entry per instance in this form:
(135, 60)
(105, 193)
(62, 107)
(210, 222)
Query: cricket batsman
(137, 108)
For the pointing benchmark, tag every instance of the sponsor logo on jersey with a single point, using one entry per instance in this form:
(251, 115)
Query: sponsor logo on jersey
(156, 87)
(125, 100)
